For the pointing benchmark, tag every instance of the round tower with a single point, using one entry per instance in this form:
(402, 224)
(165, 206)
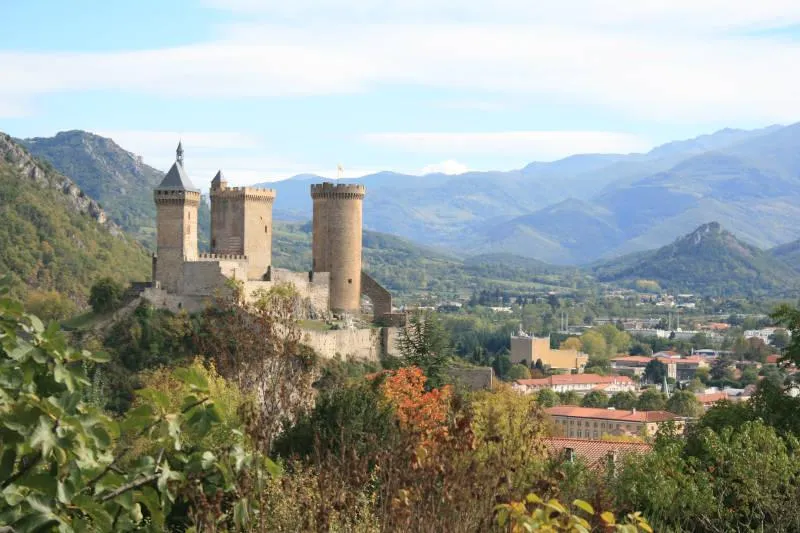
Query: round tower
(336, 241)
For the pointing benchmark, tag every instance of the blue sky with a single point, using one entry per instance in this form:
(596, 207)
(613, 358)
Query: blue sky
(265, 90)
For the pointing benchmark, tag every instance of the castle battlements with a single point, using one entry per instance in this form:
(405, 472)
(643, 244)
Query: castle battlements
(221, 257)
(338, 190)
(246, 193)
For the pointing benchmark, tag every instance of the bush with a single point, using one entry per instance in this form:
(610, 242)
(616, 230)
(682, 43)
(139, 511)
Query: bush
(105, 295)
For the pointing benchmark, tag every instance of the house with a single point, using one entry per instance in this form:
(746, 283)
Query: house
(581, 383)
(593, 423)
(597, 454)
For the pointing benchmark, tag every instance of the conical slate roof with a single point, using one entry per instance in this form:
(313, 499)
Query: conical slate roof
(218, 179)
(177, 180)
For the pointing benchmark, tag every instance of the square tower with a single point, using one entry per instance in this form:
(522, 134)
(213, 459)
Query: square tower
(241, 224)
(176, 202)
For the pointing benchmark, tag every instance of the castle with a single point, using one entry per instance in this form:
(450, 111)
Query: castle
(241, 248)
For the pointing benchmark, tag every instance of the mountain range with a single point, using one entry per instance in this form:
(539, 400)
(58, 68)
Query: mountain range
(573, 211)
(588, 207)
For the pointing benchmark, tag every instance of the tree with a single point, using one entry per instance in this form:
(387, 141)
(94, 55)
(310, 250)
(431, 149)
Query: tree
(780, 339)
(684, 403)
(424, 343)
(548, 398)
(49, 305)
(623, 400)
(105, 295)
(501, 365)
(518, 371)
(594, 343)
(700, 340)
(752, 349)
(655, 371)
(595, 398)
(749, 376)
(703, 374)
(569, 398)
(572, 343)
(652, 400)
(617, 341)
(641, 348)
(598, 365)
(696, 385)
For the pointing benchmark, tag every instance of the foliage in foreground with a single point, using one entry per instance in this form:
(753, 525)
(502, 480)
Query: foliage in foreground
(66, 465)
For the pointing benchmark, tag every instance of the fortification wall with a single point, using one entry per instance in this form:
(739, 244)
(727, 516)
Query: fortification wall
(205, 278)
(160, 298)
(380, 297)
(258, 233)
(313, 295)
(366, 344)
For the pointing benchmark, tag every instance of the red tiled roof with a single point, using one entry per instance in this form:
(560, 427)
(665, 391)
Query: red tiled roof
(610, 414)
(594, 452)
(711, 397)
(773, 359)
(573, 379)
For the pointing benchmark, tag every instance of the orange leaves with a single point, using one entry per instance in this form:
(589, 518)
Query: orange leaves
(421, 413)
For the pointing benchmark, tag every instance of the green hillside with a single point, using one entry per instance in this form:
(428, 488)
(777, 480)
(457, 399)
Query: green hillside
(116, 178)
(708, 261)
(53, 237)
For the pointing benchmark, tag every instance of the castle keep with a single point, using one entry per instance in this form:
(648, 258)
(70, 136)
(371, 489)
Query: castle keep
(241, 248)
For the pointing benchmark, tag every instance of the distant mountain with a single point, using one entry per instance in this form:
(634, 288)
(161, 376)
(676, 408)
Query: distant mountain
(53, 236)
(118, 179)
(789, 253)
(709, 261)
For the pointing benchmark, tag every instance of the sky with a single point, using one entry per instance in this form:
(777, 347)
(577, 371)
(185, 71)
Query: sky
(268, 89)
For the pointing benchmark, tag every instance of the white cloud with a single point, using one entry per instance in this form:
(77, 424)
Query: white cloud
(669, 61)
(533, 145)
(450, 166)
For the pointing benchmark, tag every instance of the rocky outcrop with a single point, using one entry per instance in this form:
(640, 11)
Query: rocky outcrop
(44, 176)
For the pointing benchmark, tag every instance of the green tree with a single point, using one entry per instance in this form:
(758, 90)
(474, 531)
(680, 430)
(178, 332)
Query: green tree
(617, 341)
(703, 374)
(569, 398)
(548, 398)
(780, 339)
(598, 365)
(652, 400)
(105, 295)
(423, 342)
(518, 371)
(655, 371)
(594, 343)
(696, 385)
(623, 400)
(684, 403)
(595, 398)
(49, 305)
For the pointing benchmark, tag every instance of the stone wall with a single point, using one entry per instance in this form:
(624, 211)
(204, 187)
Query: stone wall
(367, 344)
(162, 299)
(380, 297)
(206, 278)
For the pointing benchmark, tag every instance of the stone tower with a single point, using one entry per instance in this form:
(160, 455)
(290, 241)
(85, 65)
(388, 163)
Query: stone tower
(176, 224)
(336, 241)
(241, 224)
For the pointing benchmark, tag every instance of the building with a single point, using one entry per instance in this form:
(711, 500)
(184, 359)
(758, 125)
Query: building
(241, 248)
(593, 423)
(528, 349)
(581, 383)
(596, 454)
(709, 399)
(678, 368)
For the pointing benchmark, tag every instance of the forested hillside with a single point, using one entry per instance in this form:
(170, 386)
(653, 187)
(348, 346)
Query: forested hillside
(709, 261)
(53, 237)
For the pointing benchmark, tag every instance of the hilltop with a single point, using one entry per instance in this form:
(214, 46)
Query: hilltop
(118, 179)
(53, 236)
(708, 261)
